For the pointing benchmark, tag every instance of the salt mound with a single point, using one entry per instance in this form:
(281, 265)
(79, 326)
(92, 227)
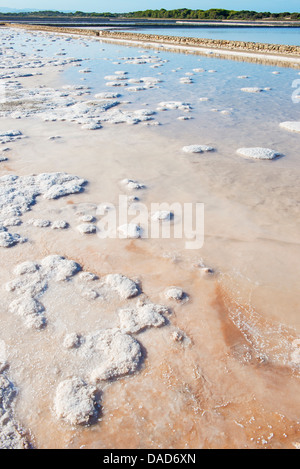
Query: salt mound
(197, 148)
(72, 340)
(87, 228)
(14, 221)
(60, 225)
(9, 136)
(32, 282)
(87, 218)
(143, 316)
(259, 153)
(115, 83)
(174, 293)
(186, 80)
(75, 402)
(130, 231)
(132, 185)
(114, 77)
(10, 133)
(59, 268)
(118, 354)
(150, 80)
(252, 90)
(92, 126)
(124, 286)
(88, 276)
(30, 309)
(18, 194)
(290, 125)
(8, 240)
(163, 215)
(107, 95)
(166, 105)
(39, 223)
(180, 337)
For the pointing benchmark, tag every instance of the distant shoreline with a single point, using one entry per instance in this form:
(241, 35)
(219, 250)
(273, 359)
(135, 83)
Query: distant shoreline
(277, 54)
(65, 21)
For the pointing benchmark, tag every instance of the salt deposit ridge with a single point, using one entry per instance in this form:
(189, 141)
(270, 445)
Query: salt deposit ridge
(94, 330)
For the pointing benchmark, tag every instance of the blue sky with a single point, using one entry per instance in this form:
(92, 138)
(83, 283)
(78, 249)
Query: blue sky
(133, 5)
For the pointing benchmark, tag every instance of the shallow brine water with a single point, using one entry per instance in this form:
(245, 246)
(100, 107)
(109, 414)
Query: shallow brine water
(123, 362)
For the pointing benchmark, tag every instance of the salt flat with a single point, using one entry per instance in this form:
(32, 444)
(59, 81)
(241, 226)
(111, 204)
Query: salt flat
(95, 330)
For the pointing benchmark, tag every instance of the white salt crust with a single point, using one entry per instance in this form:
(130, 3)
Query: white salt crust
(162, 215)
(87, 228)
(107, 95)
(8, 240)
(69, 103)
(75, 401)
(130, 231)
(81, 406)
(18, 194)
(118, 354)
(252, 90)
(31, 282)
(10, 136)
(259, 153)
(197, 148)
(51, 104)
(101, 356)
(142, 316)
(291, 126)
(59, 225)
(87, 218)
(109, 354)
(125, 287)
(11, 434)
(171, 105)
(186, 81)
(39, 223)
(174, 293)
(130, 184)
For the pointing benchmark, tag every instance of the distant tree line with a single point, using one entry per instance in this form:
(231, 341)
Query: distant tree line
(182, 13)
(213, 14)
(55, 14)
